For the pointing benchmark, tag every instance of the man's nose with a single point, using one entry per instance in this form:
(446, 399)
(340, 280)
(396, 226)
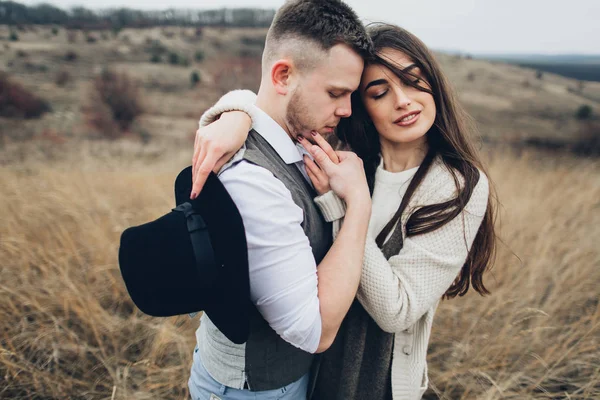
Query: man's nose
(345, 110)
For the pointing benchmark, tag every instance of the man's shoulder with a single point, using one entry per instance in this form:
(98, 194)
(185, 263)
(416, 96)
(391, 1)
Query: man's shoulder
(253, 182)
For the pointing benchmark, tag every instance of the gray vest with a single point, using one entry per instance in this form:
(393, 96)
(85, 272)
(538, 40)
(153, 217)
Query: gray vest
(269, 362)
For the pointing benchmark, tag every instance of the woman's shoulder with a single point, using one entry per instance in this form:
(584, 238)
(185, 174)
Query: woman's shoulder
(439, 184)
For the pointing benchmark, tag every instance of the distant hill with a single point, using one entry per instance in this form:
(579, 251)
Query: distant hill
(516, 104)
(579, 66)
(509, 103)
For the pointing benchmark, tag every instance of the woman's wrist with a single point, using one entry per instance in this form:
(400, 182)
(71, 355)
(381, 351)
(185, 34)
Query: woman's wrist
(359, 203)
(239, 117)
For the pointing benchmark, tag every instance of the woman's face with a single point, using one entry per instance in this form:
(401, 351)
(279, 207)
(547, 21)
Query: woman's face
(401, 113)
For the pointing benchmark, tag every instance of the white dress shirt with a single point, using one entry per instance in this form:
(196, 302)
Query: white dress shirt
(283, 271)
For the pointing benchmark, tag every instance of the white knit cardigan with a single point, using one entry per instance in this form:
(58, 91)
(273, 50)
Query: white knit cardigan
(401, 294)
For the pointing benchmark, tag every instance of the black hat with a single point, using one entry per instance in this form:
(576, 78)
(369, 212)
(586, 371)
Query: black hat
(194, 258)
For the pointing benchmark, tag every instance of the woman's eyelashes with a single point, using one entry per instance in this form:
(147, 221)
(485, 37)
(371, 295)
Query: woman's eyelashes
(414, 82)
(379, 95)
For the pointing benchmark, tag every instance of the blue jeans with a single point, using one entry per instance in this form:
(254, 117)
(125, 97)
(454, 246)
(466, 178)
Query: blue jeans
(204, 387)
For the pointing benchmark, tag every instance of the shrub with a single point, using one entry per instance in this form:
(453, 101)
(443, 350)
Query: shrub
(155, 59)
(174, 58)
(168, 34)
(584, 112)
(195, 78)
(155, 47)
(116, 102)
(21, 54)
(13, 37)
(258, 41)
(17, 102)
(35, 67)
(588, 143)
(62, 78)
(54, 31)
(199, 56)
(116, 29)
(91, 39)
(539, 74)
(70, 56)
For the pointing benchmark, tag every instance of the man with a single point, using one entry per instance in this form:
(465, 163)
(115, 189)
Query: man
(301, 284)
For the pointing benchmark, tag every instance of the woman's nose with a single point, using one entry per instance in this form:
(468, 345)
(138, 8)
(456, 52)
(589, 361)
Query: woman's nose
(402, 99)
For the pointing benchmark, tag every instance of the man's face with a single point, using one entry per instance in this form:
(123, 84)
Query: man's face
(322, 95)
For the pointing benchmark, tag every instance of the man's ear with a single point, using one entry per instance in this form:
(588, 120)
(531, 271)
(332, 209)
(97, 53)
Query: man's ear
(281, 76)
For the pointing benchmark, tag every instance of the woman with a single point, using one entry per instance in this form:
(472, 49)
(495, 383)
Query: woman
(431, 234)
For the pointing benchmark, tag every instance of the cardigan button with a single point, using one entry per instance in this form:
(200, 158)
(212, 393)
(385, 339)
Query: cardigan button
(407, 349)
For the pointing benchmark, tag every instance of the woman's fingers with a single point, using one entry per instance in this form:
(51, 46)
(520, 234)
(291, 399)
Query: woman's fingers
(319, 179)
(206, 166)
(313, 178)
(313, 167)
(199, 156)
(322, 143)
(328, 150)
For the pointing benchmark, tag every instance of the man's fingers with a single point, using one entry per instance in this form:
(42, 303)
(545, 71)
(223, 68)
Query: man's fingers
(325, 146)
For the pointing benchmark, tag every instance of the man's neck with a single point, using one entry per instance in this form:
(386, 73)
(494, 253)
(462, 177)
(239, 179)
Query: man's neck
(273, 110)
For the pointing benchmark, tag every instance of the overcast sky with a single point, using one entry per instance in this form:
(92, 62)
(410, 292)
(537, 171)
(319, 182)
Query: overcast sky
(475, 26)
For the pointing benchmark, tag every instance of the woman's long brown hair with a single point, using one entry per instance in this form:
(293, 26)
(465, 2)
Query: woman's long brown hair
(450, 138)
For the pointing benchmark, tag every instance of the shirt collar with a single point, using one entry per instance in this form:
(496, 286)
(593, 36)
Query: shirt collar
(278, 138)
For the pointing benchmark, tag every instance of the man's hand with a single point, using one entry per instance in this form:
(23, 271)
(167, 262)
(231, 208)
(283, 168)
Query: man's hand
(216, 144)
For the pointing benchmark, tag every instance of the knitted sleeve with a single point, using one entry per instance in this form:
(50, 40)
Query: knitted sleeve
(236, 100)
(331, 205)
(398, 291)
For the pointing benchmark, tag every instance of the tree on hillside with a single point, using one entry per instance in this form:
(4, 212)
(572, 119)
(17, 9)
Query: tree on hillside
(13, 13)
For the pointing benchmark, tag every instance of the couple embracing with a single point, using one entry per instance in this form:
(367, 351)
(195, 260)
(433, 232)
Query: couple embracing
(349, 251)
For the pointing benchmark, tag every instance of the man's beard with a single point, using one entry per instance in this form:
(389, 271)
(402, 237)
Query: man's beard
(298, 116)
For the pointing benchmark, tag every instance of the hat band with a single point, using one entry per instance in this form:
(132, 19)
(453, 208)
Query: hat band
(201, 244)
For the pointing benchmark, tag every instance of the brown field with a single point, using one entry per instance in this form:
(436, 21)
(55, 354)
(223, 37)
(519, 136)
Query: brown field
(68, 329)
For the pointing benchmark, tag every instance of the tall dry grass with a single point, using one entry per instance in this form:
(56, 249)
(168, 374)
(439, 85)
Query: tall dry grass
(69, 330)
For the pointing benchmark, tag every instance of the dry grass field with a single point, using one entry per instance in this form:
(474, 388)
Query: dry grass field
(68, 329)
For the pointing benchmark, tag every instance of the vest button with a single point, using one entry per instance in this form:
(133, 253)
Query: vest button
(407, 350)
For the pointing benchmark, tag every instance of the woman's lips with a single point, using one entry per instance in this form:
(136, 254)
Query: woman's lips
(409, 119)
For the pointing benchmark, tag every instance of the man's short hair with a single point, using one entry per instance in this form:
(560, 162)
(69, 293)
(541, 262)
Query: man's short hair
(300, 25)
